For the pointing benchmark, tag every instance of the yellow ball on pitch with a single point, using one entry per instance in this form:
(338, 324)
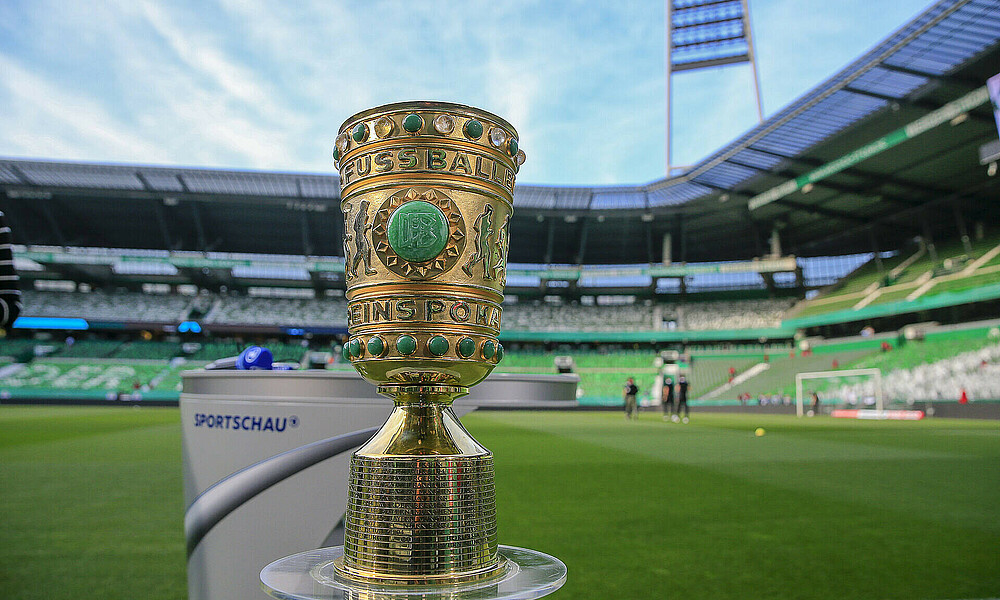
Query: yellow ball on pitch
(759, 432)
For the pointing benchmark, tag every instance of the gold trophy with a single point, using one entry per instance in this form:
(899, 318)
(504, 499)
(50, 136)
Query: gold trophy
(427, 194)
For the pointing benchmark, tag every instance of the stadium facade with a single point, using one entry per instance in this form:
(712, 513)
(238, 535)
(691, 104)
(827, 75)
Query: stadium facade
(862, 203)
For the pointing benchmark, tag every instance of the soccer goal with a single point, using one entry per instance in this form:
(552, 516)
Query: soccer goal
(844, 386)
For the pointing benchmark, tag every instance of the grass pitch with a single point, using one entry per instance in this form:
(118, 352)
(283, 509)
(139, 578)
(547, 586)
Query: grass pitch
(91, 504)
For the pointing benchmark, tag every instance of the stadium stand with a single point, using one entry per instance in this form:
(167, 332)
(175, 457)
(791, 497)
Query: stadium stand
(89, 349)
(147, 350)
(977, 372)
(691, 250)
(744, 314)
(63, 374)
(646, 316)
(299, 312)
(779, 378)
(107, 306)
(577, 317)
(912, 274)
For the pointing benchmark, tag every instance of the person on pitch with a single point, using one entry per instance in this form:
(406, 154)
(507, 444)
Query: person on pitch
(682, 399)
(667, 397)
(629, 392)
(814, 410)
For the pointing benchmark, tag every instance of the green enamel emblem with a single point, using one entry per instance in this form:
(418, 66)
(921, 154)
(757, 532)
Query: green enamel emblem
(406, 345)
(418, 231)
(466, 347)
(438, 345)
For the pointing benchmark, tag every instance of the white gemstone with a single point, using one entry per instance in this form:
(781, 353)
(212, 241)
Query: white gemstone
(498, 136)
(342, 143)
(444, 124)
(520, 157)
(384, 126)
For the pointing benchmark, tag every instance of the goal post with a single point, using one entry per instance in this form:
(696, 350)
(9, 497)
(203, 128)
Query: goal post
(876, 374)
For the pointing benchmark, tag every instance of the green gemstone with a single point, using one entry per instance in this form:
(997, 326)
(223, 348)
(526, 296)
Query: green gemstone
(418, 231)
(466, 347)
(346, 351)
(489, 349)
(512, 147)
(437, 345)
(473, 129)
(376, 346)
(360, 132)
(356, 349)
(499, 351)
(336, 154)
(413, 123)
(406, 345)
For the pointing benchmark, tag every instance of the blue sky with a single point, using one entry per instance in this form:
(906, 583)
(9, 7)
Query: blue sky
(265, 85)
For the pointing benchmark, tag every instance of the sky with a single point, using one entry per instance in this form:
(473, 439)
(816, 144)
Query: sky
(251, 84)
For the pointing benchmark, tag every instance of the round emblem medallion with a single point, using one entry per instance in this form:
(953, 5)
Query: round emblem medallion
(418, 231)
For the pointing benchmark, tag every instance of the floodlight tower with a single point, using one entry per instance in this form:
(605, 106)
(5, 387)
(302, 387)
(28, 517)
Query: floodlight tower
(702, 34)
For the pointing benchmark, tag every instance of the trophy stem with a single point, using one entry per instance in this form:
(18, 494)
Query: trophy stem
(421, 507)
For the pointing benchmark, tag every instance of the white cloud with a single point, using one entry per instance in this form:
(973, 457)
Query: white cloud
(252, 83)
(66, 123)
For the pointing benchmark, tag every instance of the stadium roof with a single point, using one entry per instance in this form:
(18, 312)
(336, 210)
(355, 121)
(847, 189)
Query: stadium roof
(941, 56)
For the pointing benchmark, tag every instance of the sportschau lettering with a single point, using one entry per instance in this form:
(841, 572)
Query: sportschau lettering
(459, 162)
(245, 422)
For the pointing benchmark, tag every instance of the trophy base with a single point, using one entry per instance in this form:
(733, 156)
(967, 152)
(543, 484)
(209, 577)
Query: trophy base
(312, 575)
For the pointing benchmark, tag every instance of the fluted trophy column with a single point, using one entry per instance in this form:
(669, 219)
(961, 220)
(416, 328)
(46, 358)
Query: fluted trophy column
(427, 195)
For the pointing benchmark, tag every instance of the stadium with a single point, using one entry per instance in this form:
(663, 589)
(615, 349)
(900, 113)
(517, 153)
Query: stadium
(851, 238)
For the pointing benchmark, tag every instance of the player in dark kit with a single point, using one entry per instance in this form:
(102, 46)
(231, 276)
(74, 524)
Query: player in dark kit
(629, 391)
(682, 398)
(667, 397)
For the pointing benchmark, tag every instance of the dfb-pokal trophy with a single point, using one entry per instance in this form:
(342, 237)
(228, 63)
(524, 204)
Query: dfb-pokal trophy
(427, 194)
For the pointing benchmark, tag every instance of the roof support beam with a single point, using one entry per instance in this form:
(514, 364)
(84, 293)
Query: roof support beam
(816, 209)
(758, 249)
(53, 224)
(649, 242)
(551, 241)
(906, 216)
(960, 81)
(918, 104)
(875, 178)
(161, 220)
(199, 228)
(830, 185)
(307, 247)
(873, 240)
(584, 229)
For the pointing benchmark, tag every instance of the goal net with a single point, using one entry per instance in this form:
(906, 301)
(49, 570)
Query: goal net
(861, 388)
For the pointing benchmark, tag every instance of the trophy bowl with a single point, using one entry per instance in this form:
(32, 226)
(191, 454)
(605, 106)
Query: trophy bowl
(427, 195)
(427, 192)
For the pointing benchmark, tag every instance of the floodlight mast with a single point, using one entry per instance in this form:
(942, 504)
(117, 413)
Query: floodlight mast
(711, 33)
